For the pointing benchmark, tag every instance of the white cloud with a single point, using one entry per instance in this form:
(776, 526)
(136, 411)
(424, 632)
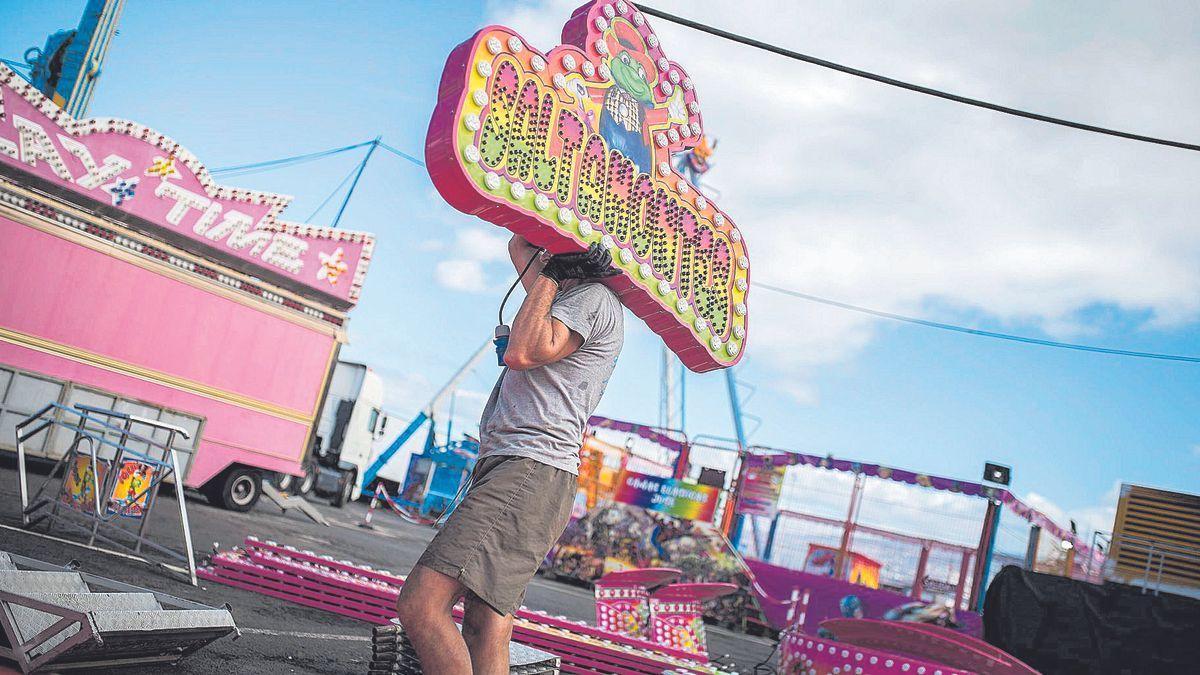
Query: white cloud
(886, 198)
(1100, 516)
(461, 275)
(485, 245)
(472, 250)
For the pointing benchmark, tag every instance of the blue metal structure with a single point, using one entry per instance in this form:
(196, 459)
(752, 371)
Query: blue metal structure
(422, 417)
(444, 470)
(67, 67)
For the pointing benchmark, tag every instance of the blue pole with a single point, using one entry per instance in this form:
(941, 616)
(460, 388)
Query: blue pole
(682, 398)
(349, 193)
(735, 407)
(987, 560)
(771, 538)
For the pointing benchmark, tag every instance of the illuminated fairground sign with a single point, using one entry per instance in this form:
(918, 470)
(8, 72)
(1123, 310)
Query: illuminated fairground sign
(574, 146)
(140, 172)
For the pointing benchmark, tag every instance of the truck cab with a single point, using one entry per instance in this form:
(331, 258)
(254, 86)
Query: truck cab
(352, 419)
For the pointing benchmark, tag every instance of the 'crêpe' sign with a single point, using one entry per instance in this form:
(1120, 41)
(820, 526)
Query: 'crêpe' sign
(574, 146)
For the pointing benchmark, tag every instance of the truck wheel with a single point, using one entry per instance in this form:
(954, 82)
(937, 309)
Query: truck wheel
(310, 479)
(237, 490)
(345, 488)
(284, 482)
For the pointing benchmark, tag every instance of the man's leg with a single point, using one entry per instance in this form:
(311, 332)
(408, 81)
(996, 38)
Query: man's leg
(424, 610)
(487, 634)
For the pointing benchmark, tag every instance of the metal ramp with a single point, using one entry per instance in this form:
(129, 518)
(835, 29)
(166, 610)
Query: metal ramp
(59, 619)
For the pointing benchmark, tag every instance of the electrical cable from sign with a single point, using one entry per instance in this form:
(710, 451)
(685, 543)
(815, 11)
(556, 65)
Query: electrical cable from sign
(500, 336)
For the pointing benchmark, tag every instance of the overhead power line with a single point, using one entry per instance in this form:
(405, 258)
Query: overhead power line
(350, 174)
(978, 332)
(883, 79)
(401, 154)
(254, 167)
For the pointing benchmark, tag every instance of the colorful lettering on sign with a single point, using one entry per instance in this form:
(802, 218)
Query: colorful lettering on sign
(574, 147)
(673, 497)
(145, 174)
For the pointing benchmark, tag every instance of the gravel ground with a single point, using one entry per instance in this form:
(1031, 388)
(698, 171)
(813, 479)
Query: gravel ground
(280, 637)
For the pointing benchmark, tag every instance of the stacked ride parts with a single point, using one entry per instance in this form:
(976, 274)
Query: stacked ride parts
(392, 652)
(356, 591)
(57, 619)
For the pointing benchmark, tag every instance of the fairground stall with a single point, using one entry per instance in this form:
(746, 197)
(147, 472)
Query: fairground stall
(132, 281)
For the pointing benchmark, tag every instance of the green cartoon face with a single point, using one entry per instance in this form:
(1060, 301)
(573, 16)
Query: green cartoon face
(631, 76)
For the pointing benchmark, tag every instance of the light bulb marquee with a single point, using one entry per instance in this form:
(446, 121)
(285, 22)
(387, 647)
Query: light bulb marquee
(574, 146)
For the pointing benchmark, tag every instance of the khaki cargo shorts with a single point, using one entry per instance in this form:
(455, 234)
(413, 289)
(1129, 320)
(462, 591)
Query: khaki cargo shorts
(514, 511)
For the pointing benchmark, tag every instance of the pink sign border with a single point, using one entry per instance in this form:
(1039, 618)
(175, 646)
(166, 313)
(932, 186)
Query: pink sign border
(458, 188)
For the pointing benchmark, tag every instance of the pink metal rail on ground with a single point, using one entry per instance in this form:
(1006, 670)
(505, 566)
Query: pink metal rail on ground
(930, 642)
(363, 593)
(800, 653)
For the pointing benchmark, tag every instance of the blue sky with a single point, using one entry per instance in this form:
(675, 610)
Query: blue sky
(872, 196)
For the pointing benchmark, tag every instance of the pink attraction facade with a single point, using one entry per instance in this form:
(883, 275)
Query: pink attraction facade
(131, 279)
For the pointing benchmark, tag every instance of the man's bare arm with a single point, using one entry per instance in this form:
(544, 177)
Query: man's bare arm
(537, 338)
(521, 251)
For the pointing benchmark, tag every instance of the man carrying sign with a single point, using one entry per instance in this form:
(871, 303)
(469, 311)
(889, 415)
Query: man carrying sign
(562, 349)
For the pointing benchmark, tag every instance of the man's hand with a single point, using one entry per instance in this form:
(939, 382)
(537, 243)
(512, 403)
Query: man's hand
(595, 263)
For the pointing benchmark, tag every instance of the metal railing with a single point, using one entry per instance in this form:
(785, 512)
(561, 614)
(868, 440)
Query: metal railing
(1145, 562)
(96, 478)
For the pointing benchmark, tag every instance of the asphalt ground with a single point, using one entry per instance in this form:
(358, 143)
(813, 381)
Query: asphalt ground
(277, 636)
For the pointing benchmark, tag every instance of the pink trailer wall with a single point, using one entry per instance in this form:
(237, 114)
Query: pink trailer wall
(86, 316)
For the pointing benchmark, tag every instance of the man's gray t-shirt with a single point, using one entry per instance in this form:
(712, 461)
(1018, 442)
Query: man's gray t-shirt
(540, 413)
